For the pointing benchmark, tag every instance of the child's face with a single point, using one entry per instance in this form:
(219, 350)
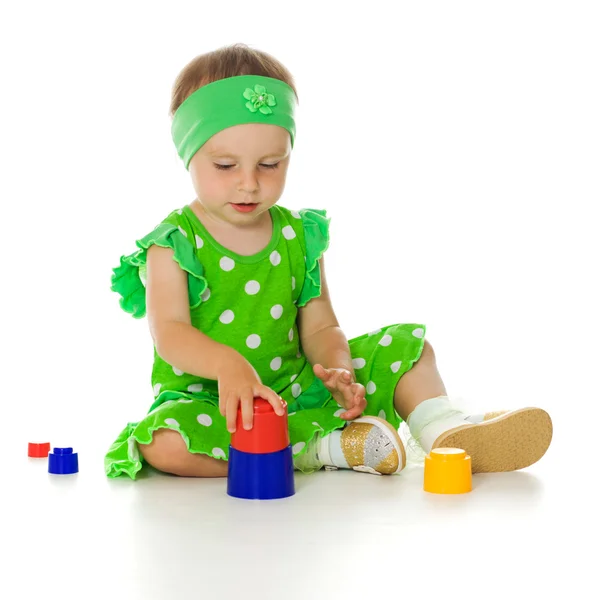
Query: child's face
(247, 151)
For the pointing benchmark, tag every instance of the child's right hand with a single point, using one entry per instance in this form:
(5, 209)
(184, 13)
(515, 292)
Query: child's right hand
(239, 382)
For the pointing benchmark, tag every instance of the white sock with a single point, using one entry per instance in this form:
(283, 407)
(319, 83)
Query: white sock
(433, 417)
(330, 450)
(322, 452)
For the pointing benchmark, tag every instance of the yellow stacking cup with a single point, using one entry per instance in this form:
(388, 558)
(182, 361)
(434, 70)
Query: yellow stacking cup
(448, 471)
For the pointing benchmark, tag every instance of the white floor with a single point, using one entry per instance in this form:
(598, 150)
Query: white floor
(343, 535)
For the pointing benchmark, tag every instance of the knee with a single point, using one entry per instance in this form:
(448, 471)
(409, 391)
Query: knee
(427, 355)
(167, 452)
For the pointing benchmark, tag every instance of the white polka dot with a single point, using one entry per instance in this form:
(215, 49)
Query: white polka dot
(195, 387)
(288, 232)
(218, 452)
(298, 447)
(182, 230)
(157, 388)
(299, 355)
(205, 420)
(293, 377)
(180, 212)
(316, 424)
(290, 414)
(227, 263)
(253, 341)
(276, 363)
(295, 214)
(296, 390)
(371, 387)
(293, 283)
(375, 332)
(226, 317)
(358, 363)
(382, 415)
(172, 422)
(337, 413)
(185, 400)
(277, 311)
(418, 332)
(199, 242)
(395, 367)
(386, 340)
(134, 453)
(291, 334)
(252, 287)
(275, 258)
(177, 371)
(205, 295)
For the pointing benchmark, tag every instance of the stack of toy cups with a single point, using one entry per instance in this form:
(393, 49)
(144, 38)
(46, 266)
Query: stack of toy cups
(260, 459)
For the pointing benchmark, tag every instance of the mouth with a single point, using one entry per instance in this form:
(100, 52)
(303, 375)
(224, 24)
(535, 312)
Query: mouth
(244, 206)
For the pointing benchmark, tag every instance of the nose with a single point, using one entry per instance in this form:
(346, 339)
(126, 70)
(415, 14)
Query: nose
(248, 181)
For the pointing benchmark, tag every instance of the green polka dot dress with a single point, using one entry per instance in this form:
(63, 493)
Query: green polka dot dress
(251, 304)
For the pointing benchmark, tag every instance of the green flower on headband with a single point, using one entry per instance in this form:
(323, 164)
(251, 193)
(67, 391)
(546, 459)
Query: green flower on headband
(258, 99)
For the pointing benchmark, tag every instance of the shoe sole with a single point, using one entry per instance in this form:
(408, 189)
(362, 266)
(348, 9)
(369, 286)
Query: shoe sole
(509, 442)
(396, 440)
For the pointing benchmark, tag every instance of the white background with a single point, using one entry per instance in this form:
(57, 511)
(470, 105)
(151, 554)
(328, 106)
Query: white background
(455, 147)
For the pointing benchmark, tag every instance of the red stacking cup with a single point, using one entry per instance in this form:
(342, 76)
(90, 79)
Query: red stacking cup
(36, 450)
(269, 431)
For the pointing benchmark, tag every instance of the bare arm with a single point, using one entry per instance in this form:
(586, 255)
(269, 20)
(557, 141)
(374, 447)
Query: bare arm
(327, 350)
(177, 341)
(322, 339)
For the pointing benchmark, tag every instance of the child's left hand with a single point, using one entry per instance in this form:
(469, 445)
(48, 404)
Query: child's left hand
(344, 389)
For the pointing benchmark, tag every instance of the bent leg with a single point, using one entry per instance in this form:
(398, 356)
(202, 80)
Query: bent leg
(168, 453)
(422, 382)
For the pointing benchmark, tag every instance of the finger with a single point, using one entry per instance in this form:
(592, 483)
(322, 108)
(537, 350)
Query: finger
(321, 372)
(359, 400)
(361, 404)
(275, 400)
(348, 395)
(358, 390)
(346, 376)
(247, 401)
(231, 415)
(223, 401)
(352, 413)
(342, 379)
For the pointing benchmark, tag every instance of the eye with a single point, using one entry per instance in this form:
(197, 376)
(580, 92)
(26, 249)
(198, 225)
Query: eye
(227, 167)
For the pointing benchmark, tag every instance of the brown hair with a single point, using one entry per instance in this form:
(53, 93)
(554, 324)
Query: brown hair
(228, 61)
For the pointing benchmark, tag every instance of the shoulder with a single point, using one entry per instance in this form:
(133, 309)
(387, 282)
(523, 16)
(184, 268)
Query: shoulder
(181, 224)
(300, 214)
(179, 218)
(304, 221)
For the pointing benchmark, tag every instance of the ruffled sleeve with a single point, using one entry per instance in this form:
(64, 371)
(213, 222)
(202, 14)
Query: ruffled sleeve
(129, 278)
(316, 235)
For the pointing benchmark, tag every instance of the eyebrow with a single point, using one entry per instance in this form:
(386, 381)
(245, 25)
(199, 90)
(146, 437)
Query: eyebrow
(223, 154)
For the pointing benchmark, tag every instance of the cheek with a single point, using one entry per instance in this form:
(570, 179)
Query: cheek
(279, 181)
(211, 183)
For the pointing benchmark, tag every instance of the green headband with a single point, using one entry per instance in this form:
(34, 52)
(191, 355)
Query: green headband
(228, 102)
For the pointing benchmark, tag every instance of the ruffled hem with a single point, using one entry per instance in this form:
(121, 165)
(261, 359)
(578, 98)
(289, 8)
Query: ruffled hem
(127, 278)
(316, 235)
(124, 457)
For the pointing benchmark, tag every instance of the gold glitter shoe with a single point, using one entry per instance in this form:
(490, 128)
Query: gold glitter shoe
(503, 440)
(372, 445)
